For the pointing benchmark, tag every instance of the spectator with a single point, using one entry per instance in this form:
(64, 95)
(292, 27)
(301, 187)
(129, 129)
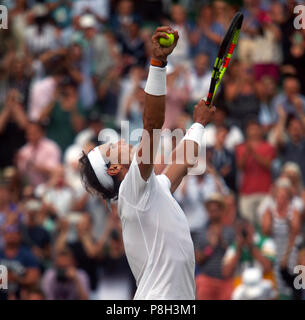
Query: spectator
(108, 93)
(177, 95)
(9, 211)
(35, 236)
(42, 92)
(58, 197)
(94, 45)
(250, 249)
(292, 101)
(13, 122)
(64, 281)
(192, 194)
(254, 159)
(133, 47)
(18, 74)
(234, 136)
(38, 157)
(77, 235)
(254, 287)
(199, 78)
(179, 22)
(290, 171)
(282, 222)
(207, 35)
(240, 97)
(210, 247)
(133, 109)
(64, 116)
(23, 267)
(291, 149)
(123, 17)
(99, 8)
(222, 159)
(41, 35)
(116, 281)
(266, 91)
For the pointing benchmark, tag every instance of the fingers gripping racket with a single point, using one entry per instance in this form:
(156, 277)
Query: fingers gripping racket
(224, 55)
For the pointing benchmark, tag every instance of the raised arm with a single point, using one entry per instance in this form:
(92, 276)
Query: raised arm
(154, 111)
(186, 153)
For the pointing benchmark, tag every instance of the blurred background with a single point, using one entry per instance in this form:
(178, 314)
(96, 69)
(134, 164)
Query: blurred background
(70, 68)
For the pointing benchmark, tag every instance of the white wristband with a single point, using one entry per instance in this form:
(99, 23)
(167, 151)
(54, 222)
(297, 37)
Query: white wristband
(195, 133)
(156, 81)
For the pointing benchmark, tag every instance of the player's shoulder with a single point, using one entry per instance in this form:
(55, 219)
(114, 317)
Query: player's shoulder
(133, 187)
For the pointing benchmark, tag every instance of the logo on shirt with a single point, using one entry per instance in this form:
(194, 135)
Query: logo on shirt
(299, 281)
(3, 17)
(299, 20)
(3, 277)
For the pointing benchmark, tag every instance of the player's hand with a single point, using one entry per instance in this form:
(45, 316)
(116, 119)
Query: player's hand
(202, 113)
(157, 51)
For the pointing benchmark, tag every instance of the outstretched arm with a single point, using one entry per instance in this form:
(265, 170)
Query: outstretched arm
(154, 111)
(186, 153)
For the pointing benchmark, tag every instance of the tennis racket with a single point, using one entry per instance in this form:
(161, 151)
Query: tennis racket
(224, 55)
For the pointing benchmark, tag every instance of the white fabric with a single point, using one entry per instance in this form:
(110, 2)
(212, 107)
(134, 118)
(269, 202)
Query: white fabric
(99, 167)
(234, 136)
(268, 203)
(156, 81)
(199, 85)
(262, 291)
(192, 200)
(195, 133)
(156, 237)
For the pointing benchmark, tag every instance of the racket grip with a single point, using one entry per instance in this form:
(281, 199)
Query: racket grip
(208, 101)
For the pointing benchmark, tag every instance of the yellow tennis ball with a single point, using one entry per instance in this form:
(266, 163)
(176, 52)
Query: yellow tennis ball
(167, 42)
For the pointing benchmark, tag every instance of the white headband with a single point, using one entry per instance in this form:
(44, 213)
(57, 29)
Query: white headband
(100, 168)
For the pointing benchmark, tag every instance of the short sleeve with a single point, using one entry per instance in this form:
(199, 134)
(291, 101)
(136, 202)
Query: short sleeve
(134, 186)
(164, 181)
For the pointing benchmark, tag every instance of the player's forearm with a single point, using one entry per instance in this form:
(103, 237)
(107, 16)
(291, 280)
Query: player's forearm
(154, 112)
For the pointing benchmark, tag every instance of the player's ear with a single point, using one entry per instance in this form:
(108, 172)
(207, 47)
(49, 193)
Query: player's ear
(114, 169)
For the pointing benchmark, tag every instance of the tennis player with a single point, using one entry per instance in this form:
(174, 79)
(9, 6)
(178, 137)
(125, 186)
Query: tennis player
(155, 230)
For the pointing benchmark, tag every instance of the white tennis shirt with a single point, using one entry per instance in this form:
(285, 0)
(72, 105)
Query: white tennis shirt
(157, 238)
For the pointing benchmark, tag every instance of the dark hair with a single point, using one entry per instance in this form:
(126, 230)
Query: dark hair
(291, 118)
(91, 183)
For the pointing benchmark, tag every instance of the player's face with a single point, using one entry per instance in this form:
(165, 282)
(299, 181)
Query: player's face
(117, 153)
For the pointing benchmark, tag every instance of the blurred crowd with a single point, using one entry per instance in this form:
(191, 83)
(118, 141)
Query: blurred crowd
(71, 68)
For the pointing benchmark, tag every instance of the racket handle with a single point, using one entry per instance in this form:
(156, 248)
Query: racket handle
(208, 102)
(208, 99)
